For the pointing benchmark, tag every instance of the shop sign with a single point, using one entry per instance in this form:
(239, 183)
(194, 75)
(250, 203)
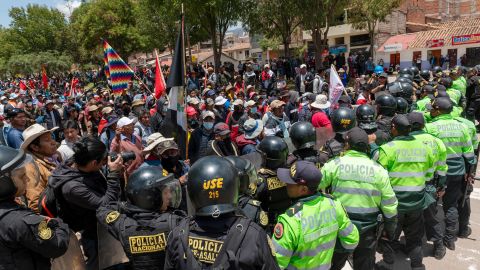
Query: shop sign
(395, 47)
(338, 49)
(466, 39)
(435, 43)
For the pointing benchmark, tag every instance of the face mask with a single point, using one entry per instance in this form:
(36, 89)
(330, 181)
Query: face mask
(170, 161)
(208, 125)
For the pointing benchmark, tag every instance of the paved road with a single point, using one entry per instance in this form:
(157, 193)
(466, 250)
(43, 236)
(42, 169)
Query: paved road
(466, 255)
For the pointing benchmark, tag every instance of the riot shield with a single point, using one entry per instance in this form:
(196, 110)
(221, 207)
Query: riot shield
(73, 258)
(110, 250)
(323, 135)
(255, 158)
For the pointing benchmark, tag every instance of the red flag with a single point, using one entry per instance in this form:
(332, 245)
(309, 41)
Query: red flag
(73, 86)
(22, 85)
(44, 78)
(160, 87)
(32, 84)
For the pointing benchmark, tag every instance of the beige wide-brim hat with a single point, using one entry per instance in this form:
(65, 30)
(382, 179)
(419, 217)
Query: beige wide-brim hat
(153, 140)
(32, 132)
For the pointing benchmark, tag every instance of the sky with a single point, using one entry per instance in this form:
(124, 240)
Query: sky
(63, 5)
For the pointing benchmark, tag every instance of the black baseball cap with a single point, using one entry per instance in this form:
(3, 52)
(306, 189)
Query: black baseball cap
(357, 138)
(301, 173)
(11, 113)
(442, 104)
(416, 119)
(401, 123)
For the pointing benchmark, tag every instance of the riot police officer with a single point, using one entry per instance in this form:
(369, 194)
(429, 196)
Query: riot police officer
(304, 138)
(386, 108)
(217, 236)
(248, 185)
(142, 223)
(366, 121)
(425, 74)
(27, 241)
(343, 119)
(271, 191)
(437, 72)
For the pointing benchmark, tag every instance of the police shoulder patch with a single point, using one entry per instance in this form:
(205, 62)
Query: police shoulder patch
(44, 232)
(112, 217)
(278, 230)
(254, 202)
(263, 218)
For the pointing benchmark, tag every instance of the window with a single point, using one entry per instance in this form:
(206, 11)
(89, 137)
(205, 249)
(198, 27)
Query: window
(247, 53)
(360, 40)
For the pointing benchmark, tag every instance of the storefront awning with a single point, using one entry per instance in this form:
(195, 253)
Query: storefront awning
(397, 43)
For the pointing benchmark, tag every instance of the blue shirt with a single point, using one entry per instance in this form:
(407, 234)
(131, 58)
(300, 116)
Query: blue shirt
(15, 138)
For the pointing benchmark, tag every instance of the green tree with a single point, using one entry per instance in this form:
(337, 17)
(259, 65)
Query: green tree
(113, 20)
(37, 28)
(274, 19)
(215, 17)
(318, 18)
(54, 62)
(368, 13)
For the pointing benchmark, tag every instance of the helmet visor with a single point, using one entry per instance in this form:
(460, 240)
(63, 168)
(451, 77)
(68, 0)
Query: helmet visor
(171, 193)
(18, 175)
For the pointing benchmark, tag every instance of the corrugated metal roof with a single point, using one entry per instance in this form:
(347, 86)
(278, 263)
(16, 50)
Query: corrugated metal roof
(446, 34)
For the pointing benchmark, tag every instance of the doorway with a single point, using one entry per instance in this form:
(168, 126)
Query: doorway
(417, 59)
(452, 58)
(473, 56)
(433, 57)
(394, 59)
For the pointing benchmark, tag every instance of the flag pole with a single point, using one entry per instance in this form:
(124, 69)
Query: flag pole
(184, 80)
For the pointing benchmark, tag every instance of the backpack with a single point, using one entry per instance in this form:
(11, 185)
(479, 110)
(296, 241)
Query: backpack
(48, 203)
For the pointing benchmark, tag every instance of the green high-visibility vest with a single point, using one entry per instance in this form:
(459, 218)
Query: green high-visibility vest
(456, 137)
(409, 164)
(362, 186)
(305, 236)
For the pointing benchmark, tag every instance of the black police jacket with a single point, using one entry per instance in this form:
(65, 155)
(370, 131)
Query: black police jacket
(28, 241)
(307, 154)
(143, 233)
(252, 209)
(384, 123)
(81, 195)
(227, 242)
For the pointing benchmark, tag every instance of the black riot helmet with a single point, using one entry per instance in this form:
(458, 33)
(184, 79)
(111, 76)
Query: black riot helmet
(402, 105)
(247, 174)
(425, 74)
(446, 81)
(303, 135)
(213, 186)
(405, 71)
(437, 71)
(366, 117)
(406, 75)
(147, 188)
(414, 71)
(403, 80)
(12, 167)
(386, 105)
(343, 119)
(274, 151)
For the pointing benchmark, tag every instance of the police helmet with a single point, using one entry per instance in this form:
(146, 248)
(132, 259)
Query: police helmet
(414, 70)
(366, 117)
(386, 105)
(213, 186)
(274, 151)
(407, 75)
(343, 119)
(247, 174)
(303, 135)
(402, 105)
(403, 80)
(425, 74)
(12, 165)
(437, 71)
(446, 81)
(148, 186)
(405, 71)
